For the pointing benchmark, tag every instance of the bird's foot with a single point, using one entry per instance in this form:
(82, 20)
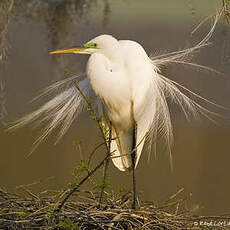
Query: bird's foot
(134, 205)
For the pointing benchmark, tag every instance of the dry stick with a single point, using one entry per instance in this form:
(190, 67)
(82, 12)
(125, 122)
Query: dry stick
(226, 10)
(90, 173)
(5, 28)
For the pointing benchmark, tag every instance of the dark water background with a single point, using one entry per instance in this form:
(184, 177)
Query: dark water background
(201, 150)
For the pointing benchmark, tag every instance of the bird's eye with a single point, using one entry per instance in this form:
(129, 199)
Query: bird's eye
(90, 45)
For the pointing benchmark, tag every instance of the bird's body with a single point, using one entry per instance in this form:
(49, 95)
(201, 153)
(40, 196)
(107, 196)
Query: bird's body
(123, 84)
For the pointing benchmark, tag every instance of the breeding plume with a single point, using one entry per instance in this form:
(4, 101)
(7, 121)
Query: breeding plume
(131, 90)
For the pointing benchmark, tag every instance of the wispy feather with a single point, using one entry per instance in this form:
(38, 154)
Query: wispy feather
(166, 88)
(182, 56)
(60, 111)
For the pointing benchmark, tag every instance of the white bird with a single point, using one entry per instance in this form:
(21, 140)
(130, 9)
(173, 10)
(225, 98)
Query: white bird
(132, 90)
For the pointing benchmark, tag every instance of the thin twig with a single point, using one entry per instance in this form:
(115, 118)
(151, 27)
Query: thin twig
(106, 163)
(93, 112)
(92, 153)
(90, 173)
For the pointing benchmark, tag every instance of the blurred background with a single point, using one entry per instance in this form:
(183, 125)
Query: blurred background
(201, 156)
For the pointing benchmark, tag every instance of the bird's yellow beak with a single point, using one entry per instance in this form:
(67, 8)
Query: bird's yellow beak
(81, 50)
(87, 48)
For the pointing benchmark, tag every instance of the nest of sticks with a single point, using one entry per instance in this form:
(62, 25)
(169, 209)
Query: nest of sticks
(82, 211)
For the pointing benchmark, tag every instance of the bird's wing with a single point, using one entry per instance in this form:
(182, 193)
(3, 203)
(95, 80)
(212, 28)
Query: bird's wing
(143, 102)
(144, 116)
(115, 145)
(121, 146)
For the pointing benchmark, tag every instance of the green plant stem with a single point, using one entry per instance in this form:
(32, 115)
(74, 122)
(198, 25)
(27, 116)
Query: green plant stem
(93, 152)
(106, 165)
(94, 113)
(106, 159)
(90, 173)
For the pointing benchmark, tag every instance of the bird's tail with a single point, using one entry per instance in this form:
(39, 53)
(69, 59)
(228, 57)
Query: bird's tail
(60, 111)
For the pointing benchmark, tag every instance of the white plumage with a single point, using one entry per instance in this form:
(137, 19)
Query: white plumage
(124, 81)
(131, 88)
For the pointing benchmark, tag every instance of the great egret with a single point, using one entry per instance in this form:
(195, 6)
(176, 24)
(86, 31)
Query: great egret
(130, 86)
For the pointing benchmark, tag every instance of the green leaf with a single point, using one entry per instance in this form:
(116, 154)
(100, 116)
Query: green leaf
(68, 224)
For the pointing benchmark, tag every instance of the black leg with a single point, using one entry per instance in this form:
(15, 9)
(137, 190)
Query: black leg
(133, 156)
(106, 166)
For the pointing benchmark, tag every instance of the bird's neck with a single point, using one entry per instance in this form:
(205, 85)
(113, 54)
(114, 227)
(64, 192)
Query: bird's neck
(115, 56)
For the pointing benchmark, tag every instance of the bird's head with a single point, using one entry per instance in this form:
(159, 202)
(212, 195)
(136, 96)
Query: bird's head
(99, 44)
